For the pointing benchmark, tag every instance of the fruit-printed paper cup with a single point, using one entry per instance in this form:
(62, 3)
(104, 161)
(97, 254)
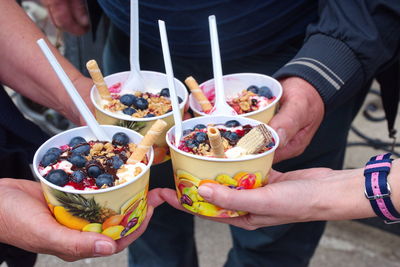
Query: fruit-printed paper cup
(155, 81)
(234, 84)
(115, 211)
(191, 171)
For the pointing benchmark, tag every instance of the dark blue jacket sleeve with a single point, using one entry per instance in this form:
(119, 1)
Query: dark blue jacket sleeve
(344, 50)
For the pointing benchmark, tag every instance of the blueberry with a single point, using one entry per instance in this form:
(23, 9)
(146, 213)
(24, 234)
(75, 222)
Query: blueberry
(104, 179)
(54, 150)
(94, 171)
(77, 160)
(78, 176)
(120, 139)
(117, 162)
(266, 92)
(76, 140)
(231, 137)
(179, 99)
(232, 123)
(253, 88)
(57, 177)
(127, 99)
(82, 149)
(149, 115)
(141, 103)
(271, 144)
(164, 92)
(200, 137)
(199, 127)
(48, 159)
(129, 111)
(187, 131)
(191, 143)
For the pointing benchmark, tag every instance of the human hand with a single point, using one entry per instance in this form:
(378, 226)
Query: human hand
(67, 106)
(70, 16)
(26, 222)
(299, 117)
(298, 196)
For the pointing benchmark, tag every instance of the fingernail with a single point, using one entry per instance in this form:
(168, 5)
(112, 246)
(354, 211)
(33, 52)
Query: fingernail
(103, 248)
(282, 136)
(205, 192)
(83, 20)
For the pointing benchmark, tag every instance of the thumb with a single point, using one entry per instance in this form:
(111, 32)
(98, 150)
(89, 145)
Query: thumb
(286, 123)
(225, 197)
(73, 245)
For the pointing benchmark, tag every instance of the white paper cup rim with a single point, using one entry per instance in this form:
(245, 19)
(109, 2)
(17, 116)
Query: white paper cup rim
(245, 158)
(127, 118)
(88, 192)
(276, 100)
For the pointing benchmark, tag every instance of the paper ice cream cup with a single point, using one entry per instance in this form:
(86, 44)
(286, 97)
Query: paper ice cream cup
(155, 81)
(191, 171)
(236, 83)
(115, 211)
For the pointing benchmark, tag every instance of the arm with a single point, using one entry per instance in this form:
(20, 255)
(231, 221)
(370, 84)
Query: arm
(24, 213)
(25, 69)
(315, 194)
(345, 49)
(341, 54)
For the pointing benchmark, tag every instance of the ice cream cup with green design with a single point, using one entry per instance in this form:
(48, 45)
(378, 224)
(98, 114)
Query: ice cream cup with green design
(87, 183)
(113, 114)
(252, 95)
(194, 164)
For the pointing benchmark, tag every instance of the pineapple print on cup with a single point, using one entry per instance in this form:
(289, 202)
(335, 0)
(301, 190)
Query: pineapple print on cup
(80, 213)
(154, 81)
(115, 211)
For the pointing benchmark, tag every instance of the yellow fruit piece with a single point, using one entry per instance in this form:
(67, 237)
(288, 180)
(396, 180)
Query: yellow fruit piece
(226, 179)
(205, 181)
(51, 207)
(129, 205)
(69, 220)
(113, 220)
(181, 174)
(190, 208)
(240, 175)
(140, 220)
(206, 209)
(114, 231)
(92, 227)
(258, 180)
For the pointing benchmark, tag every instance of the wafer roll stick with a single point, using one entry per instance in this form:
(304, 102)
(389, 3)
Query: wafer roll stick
(98, 79)
(217, 147)
(256, 139)
(148, 140)
(198, 94)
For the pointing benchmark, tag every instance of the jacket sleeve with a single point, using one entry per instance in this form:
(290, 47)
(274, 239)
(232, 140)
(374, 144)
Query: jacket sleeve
(350, 43)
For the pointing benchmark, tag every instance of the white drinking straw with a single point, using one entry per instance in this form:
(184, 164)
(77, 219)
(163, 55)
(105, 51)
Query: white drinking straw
(73, 93)
(220, 106)
(171, 82)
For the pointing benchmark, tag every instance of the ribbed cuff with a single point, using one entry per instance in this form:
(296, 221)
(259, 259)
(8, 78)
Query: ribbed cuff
(330, 66)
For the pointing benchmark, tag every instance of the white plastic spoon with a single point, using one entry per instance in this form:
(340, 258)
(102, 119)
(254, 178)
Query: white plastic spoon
(220, 106)
(135, 80)
(171, 82)
(100, 134)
